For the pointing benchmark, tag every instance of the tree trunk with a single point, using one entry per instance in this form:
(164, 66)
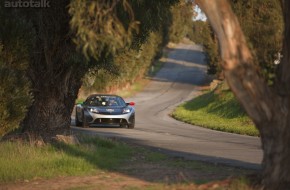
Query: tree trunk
(268, 107)
(55, 72)
(276, 162)
(52, 107)
(276, 139)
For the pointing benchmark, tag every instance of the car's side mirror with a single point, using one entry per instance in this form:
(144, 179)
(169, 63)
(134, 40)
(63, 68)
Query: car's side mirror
(80, 103)
(131, 104)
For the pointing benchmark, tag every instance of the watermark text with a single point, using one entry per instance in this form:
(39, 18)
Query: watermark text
(27, 3)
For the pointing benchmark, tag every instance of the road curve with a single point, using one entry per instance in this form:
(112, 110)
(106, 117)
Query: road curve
(177, 82)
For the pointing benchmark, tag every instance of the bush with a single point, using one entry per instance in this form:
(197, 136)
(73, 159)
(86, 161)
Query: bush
(202, 33)
(126, 67)
(14, 85)
(181, 21)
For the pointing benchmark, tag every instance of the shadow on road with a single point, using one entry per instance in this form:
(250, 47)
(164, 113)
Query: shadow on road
(184, 66)
(196, 56)
(185, 74)
(179, 154)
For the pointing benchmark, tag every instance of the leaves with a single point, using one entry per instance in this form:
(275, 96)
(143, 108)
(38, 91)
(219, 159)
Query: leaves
(98, 27)
(263, 33)
(14, 85)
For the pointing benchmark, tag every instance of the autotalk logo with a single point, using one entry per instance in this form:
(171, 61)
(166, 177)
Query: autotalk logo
(27, 4)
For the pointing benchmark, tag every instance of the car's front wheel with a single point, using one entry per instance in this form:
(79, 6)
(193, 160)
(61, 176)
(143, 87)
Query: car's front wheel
(85, 123)
(131, 125)
(78, 122)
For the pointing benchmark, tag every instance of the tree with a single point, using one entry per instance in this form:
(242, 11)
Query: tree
(263, 34)
(181, 21)
(267, 106)
(72, 37)
(55, 71)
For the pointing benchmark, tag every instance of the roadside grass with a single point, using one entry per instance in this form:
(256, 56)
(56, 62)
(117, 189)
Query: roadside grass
(133, 89)
(21, 162)
(218, 110)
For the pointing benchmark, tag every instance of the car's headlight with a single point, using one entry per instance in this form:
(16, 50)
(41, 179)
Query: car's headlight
(126, 110)
(94, 110)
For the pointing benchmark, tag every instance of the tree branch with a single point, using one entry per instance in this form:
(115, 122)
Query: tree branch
(241, 73)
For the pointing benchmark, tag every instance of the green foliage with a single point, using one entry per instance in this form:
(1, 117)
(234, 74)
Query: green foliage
(262, 23)
(103, 158)
(98, 27)
(128, 66)
(217, 110)
(181, 15)
(202, 33)
(14, 85)
(102, 25)
(153, 16)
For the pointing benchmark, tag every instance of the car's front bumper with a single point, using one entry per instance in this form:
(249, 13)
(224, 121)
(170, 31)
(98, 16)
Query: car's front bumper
(100, 119)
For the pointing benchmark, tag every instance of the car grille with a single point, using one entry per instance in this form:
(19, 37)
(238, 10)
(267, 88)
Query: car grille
(109, 113)
(110, 121)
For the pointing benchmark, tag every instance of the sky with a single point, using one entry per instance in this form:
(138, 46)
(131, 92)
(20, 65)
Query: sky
(200, 14)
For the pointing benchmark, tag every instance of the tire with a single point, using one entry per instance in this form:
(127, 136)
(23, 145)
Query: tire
(77, 121)
(85, 123)
(132, 124)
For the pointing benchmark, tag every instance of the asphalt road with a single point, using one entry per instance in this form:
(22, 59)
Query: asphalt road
(177, 82)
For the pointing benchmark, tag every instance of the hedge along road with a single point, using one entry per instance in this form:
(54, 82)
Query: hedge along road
(178, 81)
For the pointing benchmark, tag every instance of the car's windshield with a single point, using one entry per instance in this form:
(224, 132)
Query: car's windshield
(103, 100)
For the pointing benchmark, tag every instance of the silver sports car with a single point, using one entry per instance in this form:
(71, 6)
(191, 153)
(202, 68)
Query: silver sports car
(105, 110)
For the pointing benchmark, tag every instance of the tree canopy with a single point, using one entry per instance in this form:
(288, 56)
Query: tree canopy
(68, 40)
(263, 35)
